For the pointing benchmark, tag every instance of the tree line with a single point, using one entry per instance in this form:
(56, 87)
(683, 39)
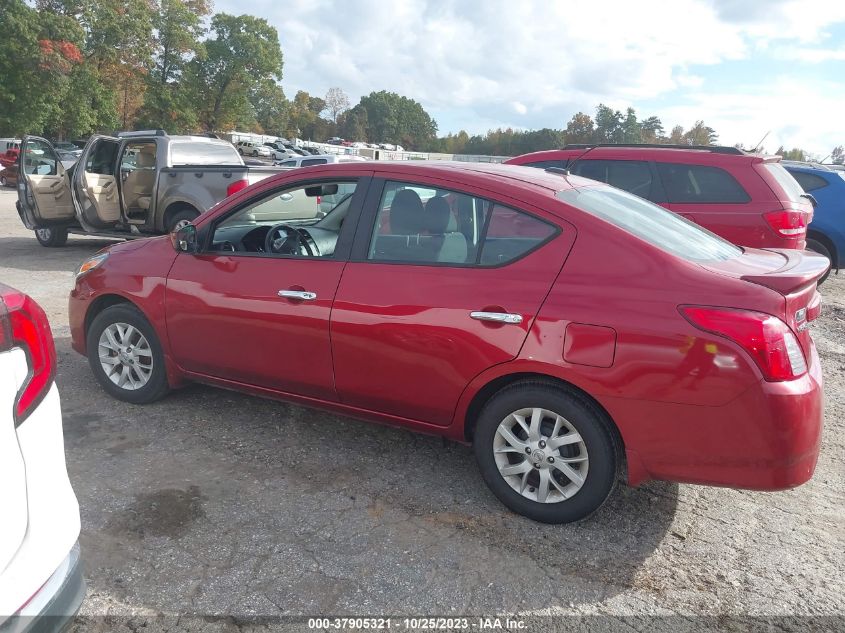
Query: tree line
(70, 68)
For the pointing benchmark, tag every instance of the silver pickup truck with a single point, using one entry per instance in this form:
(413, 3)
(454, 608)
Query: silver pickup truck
(134, 184)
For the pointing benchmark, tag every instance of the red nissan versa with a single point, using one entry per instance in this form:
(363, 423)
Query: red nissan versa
(749, 199)
(569, 330)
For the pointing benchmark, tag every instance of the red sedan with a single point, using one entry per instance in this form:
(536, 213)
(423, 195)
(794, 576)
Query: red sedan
(569, 330)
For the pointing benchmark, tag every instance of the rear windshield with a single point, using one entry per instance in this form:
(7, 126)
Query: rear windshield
(789, 185)
(651, 223)
(192, 153)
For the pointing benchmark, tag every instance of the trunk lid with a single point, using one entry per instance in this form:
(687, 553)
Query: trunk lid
(793, 274)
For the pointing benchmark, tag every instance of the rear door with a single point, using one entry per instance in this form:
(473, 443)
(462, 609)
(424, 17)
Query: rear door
(95, 183)
(43, 185)
(443, 284)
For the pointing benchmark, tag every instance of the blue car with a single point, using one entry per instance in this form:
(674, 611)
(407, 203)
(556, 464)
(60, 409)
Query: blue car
(826, 233)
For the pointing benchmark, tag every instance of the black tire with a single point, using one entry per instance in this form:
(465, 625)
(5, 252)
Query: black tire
(156, 387)
(585, 418)
(182, 215)
(51, 236)
(819, 247)
(3, 181)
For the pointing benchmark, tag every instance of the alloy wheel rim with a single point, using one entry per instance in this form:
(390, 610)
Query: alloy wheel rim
(181, 224)
(541, 455)
(125, 356)
(44, 234)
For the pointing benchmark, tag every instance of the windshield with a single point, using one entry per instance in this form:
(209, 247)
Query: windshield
(790, 186)
(651, 223)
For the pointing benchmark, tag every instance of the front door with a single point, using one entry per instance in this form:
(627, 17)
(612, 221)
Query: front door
(43, 185)
(443, 286)
(255, 310)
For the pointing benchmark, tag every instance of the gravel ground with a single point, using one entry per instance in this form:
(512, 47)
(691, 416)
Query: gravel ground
(211, 503)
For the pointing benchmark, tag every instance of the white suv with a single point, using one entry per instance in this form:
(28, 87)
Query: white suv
(41, 583)
(251, 148)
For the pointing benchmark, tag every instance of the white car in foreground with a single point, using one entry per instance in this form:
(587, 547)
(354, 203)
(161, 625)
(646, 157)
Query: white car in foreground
(41, 583)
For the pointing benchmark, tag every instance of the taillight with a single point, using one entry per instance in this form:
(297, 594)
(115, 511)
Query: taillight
(236, 186)
(23, 324)
(767, 339)
(787, 223)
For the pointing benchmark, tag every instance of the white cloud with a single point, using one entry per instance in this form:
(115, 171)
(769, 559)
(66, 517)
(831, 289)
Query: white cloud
(536, 63)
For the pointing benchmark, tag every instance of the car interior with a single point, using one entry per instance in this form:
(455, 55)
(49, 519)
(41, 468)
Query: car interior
(48, 183)
(138, 175)
(101, 205)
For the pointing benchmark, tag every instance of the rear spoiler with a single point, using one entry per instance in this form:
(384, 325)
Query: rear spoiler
(801, 269)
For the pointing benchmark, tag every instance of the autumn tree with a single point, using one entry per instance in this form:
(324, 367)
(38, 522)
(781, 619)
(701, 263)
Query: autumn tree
(580, 129)
(700, 134)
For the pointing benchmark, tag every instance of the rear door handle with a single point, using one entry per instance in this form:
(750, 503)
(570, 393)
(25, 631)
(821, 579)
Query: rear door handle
(302, 295)
(496, 317)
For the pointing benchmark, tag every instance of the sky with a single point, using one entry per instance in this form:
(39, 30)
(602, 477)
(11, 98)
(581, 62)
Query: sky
(746, 67)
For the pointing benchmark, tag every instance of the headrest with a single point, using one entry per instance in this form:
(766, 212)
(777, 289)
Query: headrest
(406, 213)
(438, 216)
(146, 158)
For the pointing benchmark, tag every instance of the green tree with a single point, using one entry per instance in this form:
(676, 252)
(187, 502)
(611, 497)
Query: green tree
(632, 129)
(837, 156)
(243, 51)
(353, 123)
(178, 28)
(796, 153)
(305, 116)
(609, 125)
(392, 118)
(580, 129)
(271, 107)
(652, 129)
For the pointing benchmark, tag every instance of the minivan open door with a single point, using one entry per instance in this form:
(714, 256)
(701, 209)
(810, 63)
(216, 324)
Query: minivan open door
(43, 185)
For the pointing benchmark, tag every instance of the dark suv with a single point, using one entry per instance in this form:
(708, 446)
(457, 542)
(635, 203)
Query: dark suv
(749, 199)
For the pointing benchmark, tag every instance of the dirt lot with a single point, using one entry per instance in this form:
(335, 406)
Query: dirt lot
(213, 503)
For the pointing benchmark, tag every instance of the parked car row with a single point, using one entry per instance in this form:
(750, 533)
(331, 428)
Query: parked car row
(572, 332)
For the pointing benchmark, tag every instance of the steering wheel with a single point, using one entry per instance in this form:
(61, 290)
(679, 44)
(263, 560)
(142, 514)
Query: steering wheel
(290, 241)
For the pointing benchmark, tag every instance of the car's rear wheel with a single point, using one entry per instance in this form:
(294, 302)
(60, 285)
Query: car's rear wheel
(822, 249)
(181, 219)
(51, 236)
(125, 355)
(546, 452)
(3, 181)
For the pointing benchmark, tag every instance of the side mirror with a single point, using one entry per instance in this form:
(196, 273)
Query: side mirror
(184, 240)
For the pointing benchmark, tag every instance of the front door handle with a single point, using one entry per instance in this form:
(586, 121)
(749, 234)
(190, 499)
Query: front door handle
(301, 295)
(496, 317)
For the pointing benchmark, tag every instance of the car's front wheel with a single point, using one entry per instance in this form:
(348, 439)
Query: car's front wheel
(51, 236)
(546, 452)
(125, 355)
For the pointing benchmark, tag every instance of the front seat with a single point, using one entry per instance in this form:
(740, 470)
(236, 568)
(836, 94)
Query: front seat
(447, 244)
(138, 186)
(406, 223)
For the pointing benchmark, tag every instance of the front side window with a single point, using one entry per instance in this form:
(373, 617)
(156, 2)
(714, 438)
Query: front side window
(301, 221)
(419, 224)
(39, 158)
(102, 157)
(633, 176)
(700, 184)
(651, 223)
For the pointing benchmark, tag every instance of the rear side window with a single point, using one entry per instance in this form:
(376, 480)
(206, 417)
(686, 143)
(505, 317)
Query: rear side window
(631, 175)
(188, 153)
(416, 224)
(809, 182)
(788, 184)
(651, 223)
(700, 184)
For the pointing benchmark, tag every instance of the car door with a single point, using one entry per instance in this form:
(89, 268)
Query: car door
(95, 182)
(238, 314)
(43, 185)
(442, 284)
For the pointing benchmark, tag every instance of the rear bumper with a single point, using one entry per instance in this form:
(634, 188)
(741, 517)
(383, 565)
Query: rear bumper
(766, 439)
(55, 605)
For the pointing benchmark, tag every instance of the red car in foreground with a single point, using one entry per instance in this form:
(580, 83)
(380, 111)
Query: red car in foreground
(567, 329)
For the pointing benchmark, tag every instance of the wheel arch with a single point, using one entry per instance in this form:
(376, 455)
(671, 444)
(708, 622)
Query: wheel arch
(175, 207)
(495, 385)
(101, 303)
(813, 234)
